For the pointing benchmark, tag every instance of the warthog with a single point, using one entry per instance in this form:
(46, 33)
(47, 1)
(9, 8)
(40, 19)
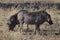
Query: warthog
(36, 18)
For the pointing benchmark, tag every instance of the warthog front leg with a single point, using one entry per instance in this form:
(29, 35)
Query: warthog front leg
(21, 26)
(36, 28)
(27, 28)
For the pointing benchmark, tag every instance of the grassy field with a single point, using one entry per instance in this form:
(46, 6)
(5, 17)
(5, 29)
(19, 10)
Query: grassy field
(13, 1)
(5, 34)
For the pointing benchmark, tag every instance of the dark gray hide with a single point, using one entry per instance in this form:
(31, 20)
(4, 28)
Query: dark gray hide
(36, 18)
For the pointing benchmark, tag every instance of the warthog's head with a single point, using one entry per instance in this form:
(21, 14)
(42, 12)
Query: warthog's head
(49, 20)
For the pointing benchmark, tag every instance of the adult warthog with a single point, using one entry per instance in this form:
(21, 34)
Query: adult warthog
(36, 18)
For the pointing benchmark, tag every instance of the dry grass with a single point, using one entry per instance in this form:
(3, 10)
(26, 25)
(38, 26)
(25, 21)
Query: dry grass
(15, 1)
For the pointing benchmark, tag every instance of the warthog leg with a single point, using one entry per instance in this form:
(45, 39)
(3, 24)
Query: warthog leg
(21, 26)
(36, 28)
(27, 28)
